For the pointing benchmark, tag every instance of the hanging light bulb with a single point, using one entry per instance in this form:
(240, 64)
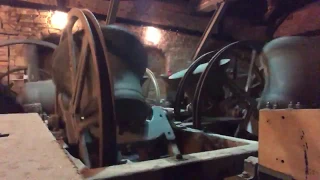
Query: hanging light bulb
(59, 20)
(153, 35)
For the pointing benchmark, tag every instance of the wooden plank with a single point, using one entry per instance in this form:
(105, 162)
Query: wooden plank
(30, 151)
(289, 142)
(203, 165)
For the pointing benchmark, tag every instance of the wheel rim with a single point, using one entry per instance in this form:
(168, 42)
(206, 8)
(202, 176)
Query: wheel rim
(213, 65)
(85, 112)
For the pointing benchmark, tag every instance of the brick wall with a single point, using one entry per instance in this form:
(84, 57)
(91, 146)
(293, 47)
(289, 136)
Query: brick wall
(20, 23)
(177, 48)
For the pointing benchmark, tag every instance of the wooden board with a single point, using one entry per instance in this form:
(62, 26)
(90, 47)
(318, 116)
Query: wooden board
(31, 152)
(289, 142)
(215, 164)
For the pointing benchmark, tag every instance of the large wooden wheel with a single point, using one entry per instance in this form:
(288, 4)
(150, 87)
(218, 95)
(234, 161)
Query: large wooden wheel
(88, 112)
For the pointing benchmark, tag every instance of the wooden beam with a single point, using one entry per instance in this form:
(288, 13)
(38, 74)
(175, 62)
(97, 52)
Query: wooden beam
(146, 11)
(47, 2)
(208, 5)
(175, 15)
(227, 161)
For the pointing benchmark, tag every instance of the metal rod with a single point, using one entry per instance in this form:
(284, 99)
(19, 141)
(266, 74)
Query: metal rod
(249, 79)
(214, 21)
(155, 84)
(112, 12)
(32, 57)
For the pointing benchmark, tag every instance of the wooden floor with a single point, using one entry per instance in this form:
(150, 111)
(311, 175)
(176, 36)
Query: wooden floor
(31, 152)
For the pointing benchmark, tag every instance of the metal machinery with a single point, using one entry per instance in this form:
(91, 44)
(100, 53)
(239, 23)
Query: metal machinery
(110, 132)
(231, 86)
(102, 117)
(227, 87)
(93, 98)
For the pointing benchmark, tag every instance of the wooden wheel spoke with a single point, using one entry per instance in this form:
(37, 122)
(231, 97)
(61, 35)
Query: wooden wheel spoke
(72, 52)
(95, 131)
(81, 72)
(90, 108)
(61, 104)
(86, 123)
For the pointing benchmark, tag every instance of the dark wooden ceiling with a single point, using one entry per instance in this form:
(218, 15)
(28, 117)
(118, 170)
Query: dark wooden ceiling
(174, 13)
(244, 19)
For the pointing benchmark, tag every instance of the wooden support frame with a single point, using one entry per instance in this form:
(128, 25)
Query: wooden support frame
(288, 142)
(216, 164)
(31, 145)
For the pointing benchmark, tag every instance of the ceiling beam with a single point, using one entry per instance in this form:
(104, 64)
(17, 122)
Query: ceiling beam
(207, 5)
(145, 11)
(47, 2)
(154, 12)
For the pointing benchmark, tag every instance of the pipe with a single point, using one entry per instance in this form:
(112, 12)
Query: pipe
(155, 83)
